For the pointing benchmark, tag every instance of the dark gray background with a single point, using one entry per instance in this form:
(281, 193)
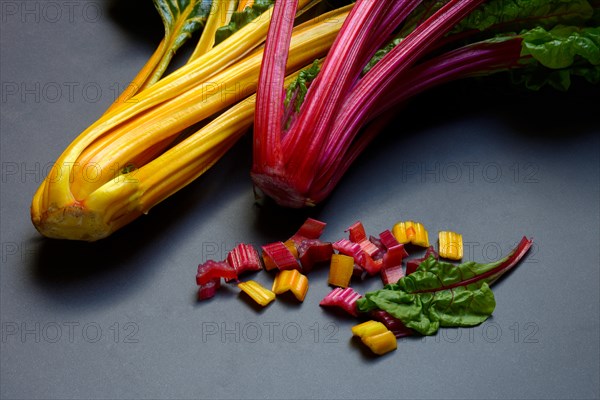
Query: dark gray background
(118, 319)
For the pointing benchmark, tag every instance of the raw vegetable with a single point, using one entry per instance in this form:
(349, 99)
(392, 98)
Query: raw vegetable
(209, 289)
(382, 343)
(312, 252)
(277, 255)
(413, 264)
(244, 258)
(211, 270)
(257, 292)
(291, 280)
(342, 298)
(411, 232)
(450, 245)
(391, 274)
(376, 336)
(435, 294)
(301, 154)
(358, 235)
(311, 229)
(340, 270)
(368, 328)
(141, 151)
(443, 294)
(393, 324)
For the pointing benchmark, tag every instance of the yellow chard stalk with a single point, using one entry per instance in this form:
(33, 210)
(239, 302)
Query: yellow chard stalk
(134, 156)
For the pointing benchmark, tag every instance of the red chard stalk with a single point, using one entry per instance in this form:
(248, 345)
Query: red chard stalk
(303, 144)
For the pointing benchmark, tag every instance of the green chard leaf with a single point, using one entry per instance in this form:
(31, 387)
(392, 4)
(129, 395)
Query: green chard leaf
(426, 312)
(239, 19)
(182, 18)
(297, 90)
(442, 294)
(555, 56)
(381, 53)
(503, 16)
(515, 15)
(559, 47)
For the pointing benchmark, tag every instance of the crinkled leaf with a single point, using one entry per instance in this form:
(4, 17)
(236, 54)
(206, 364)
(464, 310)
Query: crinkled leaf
(433, 274)
(520, 14)
(558, 55)
(559, 47)
(496, 16)
(535, 77)
(239, 19)
(182, 18)
(440, 293)
(426, 312)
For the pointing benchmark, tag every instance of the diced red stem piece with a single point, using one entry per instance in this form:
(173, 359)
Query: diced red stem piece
(346, 247)
(377, 242)
(391, 274)
(244, 257)
(281, 256)
(393, 324)
(368, 247)
(209, 289)
(311, 229)
(312, 252)
(412, 265)
(342, 298)
(388, 240)
(214, 269)
(394, 256)
(372, 266)
(357, 232)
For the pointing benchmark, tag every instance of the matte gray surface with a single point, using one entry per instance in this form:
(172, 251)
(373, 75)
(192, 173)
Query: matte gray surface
(118, 319)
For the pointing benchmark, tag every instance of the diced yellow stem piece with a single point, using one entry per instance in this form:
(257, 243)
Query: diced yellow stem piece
(411, 232)
(292, 247)
(256, 292)
(381, 343)
(450, 245)
(399, 232)
(340, 270)
(291, 280)
(421, 237)
(269, 264)
(368, 328)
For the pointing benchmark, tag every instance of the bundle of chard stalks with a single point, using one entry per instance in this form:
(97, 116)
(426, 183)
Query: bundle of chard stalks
(317, 82)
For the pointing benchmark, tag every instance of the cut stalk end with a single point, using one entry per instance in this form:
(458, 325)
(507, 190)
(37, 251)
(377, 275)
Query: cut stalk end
(73, 222)
(285, 194)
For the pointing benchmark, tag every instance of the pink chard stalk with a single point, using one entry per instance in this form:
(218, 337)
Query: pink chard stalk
(300, 165)
(301, 151)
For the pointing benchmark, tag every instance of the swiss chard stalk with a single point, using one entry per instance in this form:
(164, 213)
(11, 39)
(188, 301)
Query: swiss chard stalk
(181, 19)
(300, 154)
(142, 151)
